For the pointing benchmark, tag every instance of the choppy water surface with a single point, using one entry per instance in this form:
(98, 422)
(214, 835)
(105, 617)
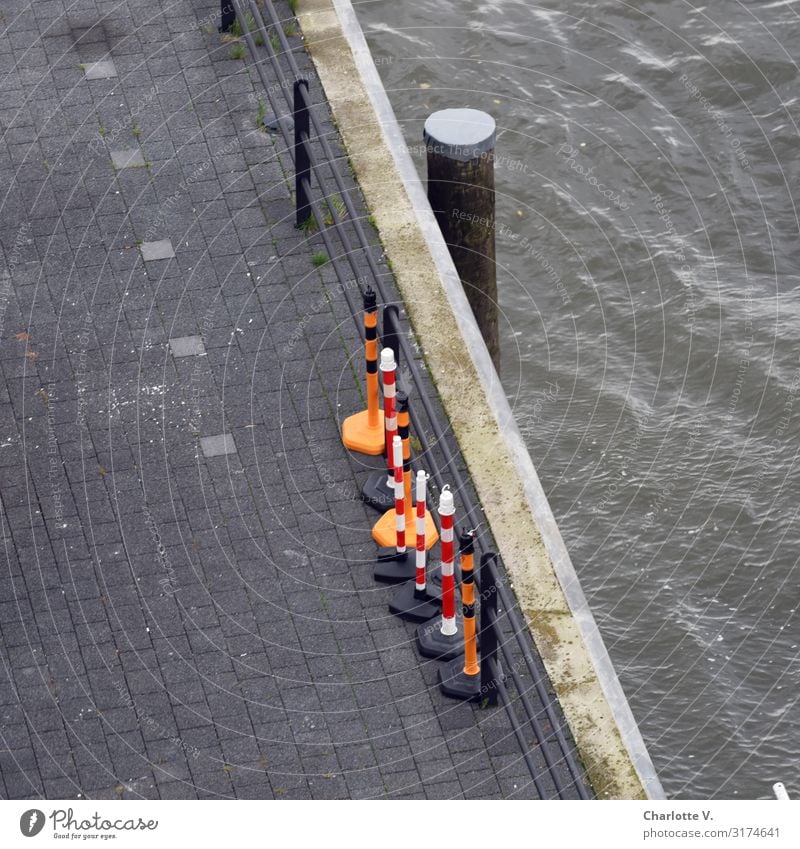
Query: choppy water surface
(649, 251)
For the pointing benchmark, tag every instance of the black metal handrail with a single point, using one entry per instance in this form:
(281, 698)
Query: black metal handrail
(497, 604)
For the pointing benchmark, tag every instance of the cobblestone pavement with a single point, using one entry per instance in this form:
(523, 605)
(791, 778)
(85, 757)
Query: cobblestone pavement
(186, 598)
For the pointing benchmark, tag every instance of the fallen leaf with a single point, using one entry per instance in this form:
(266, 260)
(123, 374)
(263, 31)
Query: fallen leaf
(22, 336)
(32, 355)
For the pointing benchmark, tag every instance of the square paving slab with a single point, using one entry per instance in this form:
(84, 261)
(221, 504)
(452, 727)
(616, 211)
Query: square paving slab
(102, 70)
(131, 158)
(187, 346)
(158, 250)
(216, 446)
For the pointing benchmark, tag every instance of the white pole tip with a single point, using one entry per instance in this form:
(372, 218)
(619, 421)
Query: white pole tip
(387, 358)
(446, 502)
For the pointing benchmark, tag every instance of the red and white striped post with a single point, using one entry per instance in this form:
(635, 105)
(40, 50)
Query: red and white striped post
(399, 494)
(413, 601)
(393, 565)
(378, 489)
(422, 495)
(388, 377)
(441, 639)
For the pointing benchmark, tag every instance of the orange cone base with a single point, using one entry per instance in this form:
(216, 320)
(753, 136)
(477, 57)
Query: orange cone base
(385, 534)
(357, 434)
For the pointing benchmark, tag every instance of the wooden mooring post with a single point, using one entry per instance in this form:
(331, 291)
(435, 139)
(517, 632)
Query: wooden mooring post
(460, 152)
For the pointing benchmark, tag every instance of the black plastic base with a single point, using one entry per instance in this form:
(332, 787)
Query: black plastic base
(456, 684)
(408, 604)
(394, 568)
(386, 554)
(432, 643)
(379, 494)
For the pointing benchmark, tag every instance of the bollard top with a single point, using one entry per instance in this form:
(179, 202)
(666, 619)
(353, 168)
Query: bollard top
(421, 485)
(461, 134)
(446, 506)
(387, 359)
(370, 300)
(401, 401)
(466, 542)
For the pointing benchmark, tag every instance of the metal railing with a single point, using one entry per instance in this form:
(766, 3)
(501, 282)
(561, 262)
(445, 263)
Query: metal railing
(498, 609)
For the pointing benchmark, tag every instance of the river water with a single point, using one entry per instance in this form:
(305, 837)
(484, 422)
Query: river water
(648, 252)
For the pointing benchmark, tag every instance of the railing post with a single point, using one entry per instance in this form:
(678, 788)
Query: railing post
(490, 669)
(227, 15)
(302, 162)
(390, 336)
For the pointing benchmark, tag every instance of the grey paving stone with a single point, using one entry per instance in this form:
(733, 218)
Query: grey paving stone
(217, 446)
(187, 346)
(104, 69)
(161, 249)
(128, 158)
